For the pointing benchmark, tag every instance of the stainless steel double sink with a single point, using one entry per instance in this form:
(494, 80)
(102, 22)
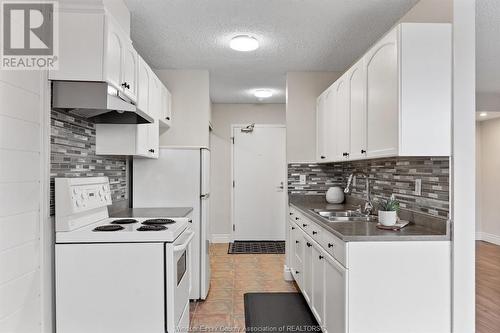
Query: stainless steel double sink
(335, 216)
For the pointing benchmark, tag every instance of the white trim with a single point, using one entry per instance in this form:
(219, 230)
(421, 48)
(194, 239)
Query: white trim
(285, 172)
(487, 237)
(287, 273)
(462, 169)
(46, 222)
(221, 238)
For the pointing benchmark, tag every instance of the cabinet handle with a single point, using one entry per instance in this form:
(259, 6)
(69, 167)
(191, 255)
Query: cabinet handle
(297, 218)
(320, 257)
(345, 154)
(297, 272)
(315, 232)
(308, 244)
(297, 242)
(151, 150)
(323, 157)
(304, 225)
(363, 151)
(293, 228)
(126, 85)
(290, 213)
(168, 118)
(330, 245)
(190, 221)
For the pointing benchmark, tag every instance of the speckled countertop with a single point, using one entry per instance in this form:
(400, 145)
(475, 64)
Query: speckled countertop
(425, 228)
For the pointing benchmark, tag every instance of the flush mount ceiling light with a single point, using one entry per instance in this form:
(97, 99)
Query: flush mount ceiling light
(244, 43)
(483, 114)
(263, 93)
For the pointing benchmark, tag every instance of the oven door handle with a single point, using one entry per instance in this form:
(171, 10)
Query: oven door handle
(180, 247)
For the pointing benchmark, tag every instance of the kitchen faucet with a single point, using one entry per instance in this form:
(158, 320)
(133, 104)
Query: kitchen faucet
(368, 205)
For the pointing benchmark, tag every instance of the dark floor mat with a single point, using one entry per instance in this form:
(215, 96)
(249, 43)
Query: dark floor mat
(256, 247)
(278, 312)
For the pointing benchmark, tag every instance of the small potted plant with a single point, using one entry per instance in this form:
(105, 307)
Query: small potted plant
(388, 211)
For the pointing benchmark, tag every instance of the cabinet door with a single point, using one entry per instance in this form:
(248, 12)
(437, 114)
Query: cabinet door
(335, 277)
(342, 118)
(357, 90)
(298, 251)
(154, 139)
(129, 72)
(307, 268)
(143, 86)
(166, 105)
(382, 97)
(318, 284)
(290, 247)
(320, 128)
(113, 54)
(330, 137)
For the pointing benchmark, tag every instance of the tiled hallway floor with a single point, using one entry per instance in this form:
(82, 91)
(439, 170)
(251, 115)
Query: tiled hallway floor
(233, 275)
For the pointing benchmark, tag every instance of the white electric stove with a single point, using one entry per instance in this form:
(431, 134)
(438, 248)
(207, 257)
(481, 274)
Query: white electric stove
(127, 274)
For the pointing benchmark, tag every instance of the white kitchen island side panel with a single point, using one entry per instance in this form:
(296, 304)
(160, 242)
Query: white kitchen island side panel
(395, 285)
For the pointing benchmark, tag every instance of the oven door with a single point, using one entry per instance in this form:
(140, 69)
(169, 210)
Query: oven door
(182, 272)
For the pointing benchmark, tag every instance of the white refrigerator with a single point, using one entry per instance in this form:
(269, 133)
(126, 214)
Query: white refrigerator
(180, 177)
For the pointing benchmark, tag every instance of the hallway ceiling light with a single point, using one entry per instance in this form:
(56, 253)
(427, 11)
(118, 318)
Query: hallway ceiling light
(483, 114)
(263, 93)
(244, 43)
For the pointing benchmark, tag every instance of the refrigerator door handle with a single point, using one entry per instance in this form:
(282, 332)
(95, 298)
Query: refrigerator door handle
(205, 196)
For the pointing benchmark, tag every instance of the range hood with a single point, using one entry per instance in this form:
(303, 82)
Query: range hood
(97, 101)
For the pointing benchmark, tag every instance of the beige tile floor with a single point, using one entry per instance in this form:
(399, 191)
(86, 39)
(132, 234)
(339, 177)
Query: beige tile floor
(233, 275)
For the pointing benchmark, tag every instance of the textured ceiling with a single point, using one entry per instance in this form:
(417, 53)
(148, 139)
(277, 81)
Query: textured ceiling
(488, 46)
(294, 35)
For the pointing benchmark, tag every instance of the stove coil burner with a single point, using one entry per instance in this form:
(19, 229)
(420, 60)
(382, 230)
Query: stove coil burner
(151, 228)
(108, 227)
(158, 221)
(124, 221)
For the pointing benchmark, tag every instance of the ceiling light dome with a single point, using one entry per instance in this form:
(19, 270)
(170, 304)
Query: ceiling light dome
(244, 43)
(263, 93)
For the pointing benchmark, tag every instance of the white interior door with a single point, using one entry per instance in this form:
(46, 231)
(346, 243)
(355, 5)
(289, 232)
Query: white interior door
(259, 188)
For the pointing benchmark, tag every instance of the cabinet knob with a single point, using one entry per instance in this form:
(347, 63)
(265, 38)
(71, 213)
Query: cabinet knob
(297, 242)
(323, 157)
(345, 154)
(330, 245)
(297, 272)
(308, 244)
(363, 151)
(304, 225)
(151, 150)
(290, 213)
(293, 228)
(315, 232)
(297, 218)
(168, 118)
(320, 257)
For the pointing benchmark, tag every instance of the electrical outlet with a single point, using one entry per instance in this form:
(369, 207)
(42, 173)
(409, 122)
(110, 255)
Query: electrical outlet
(302, 179)
(418, 186)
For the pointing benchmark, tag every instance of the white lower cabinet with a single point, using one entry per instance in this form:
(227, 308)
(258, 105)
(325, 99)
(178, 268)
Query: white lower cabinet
(371, 286)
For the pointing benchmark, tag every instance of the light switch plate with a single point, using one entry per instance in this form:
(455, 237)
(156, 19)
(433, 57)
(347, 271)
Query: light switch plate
(418, 186)
(302, 179)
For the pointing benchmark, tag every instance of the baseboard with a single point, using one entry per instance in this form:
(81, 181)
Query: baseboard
(287, 273)
(221, 238)
(487, 237)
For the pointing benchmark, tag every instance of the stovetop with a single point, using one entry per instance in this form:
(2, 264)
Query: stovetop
(118, 230)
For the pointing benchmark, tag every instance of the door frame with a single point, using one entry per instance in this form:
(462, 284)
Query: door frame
(285, 172)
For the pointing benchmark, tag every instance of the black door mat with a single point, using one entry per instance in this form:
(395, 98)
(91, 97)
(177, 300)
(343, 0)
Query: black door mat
(278, 312)
(256, 247)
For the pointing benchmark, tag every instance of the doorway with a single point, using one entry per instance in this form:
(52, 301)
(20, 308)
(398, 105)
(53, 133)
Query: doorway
(259, 182)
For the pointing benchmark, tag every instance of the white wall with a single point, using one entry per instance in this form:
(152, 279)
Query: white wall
(23, 203)
(223, 116)
(430, 11)
(302, 89)
(488, 178)
(190, 107)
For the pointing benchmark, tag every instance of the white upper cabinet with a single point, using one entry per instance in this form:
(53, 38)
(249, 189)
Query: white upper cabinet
(129, 72)
(113, 54)
(341, 111)
(396, 100)
(166, 108)
(357, 124)
(143, 79)
(382, 96)
(321, 121)
(329, 135)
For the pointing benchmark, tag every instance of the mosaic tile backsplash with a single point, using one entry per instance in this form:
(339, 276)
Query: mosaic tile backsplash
(387, 176)
(72, 144)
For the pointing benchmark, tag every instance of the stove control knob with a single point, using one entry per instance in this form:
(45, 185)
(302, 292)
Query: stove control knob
(108, 198)
(79, 203)
(101, 193)
(75, 191)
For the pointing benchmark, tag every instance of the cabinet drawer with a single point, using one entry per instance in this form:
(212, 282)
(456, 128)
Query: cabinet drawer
(334, 246)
